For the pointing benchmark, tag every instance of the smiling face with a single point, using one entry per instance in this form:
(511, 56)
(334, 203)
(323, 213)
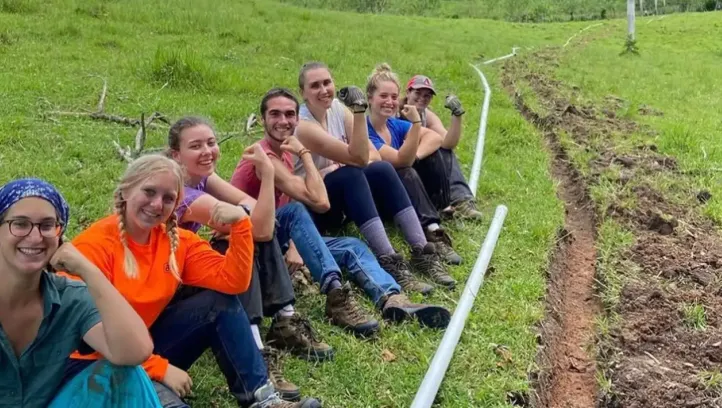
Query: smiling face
(280, 119)
(318, 88)
(385, 99)
(421, 97)
(29, 254)
(197, 151)
(150, 202)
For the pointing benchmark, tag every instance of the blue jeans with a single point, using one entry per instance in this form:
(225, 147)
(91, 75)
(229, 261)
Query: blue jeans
(361, 264)
(323, 256)
(295, 223)
(188, 327)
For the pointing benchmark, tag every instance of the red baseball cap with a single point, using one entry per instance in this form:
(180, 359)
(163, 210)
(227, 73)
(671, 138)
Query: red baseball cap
(421, 82)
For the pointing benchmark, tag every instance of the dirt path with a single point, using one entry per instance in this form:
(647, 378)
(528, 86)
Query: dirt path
(567, 379)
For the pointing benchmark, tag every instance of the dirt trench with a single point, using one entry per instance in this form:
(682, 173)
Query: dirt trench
(653, 356)
(567, 377)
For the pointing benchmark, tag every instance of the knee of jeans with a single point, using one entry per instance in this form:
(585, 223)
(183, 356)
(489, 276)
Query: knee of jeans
(356, 245)
(220, 302)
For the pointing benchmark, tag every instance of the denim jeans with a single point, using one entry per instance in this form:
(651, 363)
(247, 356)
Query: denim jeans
(295, 223)
(460, 190)
(325, 256)
(361, 264)
(188, 327)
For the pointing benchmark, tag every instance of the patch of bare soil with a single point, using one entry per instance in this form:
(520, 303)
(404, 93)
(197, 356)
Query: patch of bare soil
(657, 357)
(567, 378)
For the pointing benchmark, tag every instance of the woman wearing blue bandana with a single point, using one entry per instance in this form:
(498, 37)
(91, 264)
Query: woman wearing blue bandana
(45, 317)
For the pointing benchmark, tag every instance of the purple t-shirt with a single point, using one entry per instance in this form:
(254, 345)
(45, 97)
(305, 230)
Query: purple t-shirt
(191, 194)
(398, 129)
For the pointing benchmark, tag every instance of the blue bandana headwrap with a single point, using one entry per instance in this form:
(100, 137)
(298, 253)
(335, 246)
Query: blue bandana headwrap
(16, 190)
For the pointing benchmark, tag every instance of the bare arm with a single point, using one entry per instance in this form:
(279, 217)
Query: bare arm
(319, 141)
(122, 336)
(355, 124)
(406, 155)
(450, 138)
(200, 211)
(374, 154)
(312, 193)
(263, 216)
(429, 142)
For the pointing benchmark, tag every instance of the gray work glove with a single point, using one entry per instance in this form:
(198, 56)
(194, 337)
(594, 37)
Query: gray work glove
(454, 105)
(354, 98)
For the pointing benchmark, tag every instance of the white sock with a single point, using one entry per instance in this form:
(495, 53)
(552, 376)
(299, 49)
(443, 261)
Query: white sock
(433, 227)
(257, 336)
(287, 311)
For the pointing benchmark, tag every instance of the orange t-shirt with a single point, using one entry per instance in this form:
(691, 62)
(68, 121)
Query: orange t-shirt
(149, 294)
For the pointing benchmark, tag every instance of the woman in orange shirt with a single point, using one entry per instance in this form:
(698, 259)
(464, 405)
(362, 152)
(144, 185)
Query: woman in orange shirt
(141, 250)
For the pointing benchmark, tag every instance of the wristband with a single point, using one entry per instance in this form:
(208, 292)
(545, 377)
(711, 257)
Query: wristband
(417, 121)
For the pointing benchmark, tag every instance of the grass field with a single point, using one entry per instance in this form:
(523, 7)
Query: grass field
(217, 59)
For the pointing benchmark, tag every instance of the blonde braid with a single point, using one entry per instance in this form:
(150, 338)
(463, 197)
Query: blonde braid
(129, 262)
(171, 229)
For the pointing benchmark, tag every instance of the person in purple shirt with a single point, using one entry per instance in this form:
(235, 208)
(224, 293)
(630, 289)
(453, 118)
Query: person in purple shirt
(414, 153)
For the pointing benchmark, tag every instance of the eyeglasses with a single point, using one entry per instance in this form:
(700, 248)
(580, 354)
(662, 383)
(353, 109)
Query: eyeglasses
(23, 228)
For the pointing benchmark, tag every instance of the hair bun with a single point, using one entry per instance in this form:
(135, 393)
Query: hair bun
(382, 68)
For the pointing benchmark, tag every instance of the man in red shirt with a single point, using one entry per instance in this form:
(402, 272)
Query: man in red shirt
(279, 112)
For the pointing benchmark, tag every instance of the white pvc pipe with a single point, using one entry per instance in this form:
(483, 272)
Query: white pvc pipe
(437, 369)
(513, 53)
(479, 152)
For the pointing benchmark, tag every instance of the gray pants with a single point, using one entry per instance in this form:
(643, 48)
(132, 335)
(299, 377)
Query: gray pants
(460, 190)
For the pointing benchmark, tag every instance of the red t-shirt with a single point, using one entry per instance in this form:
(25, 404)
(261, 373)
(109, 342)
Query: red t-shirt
(244, 177)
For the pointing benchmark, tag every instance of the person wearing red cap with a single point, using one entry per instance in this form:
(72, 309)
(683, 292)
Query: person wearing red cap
(420, 92)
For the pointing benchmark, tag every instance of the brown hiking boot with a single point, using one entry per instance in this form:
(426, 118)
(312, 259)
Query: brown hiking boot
(286, 389)
(467, 209)
(442, 242)
(303, 282)
(399, 308)
(398, 268)
(267, 397)
(426, 261)
(344, 312)
(295, 335)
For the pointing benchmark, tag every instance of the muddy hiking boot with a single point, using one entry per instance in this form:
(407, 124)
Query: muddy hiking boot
(303, 282)
(295, 335)
(442, 241)
(267, 397)
(354, 98)
(285, 389)
(343, 311)
(467, 209)
(426, 261)
(399, 308)
(398, 268)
